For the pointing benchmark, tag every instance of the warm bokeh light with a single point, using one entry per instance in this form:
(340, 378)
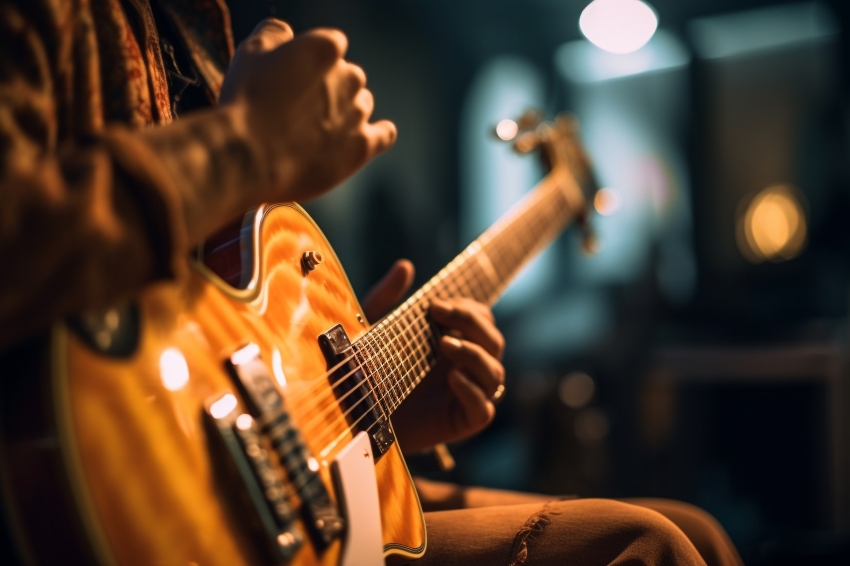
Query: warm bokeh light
(591, 426)
(173, 369)
(245, 355)
(507, 130)
(277, 368)
(606, 201)
(618, 26)
(223, 406)
(576, 389)
(774, 225)
(244, 421)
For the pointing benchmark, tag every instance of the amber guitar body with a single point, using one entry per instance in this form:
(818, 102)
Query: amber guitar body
(242, 415)
(125, 438)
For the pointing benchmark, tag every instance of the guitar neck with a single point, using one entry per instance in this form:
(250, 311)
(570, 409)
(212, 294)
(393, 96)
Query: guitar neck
(401, 349)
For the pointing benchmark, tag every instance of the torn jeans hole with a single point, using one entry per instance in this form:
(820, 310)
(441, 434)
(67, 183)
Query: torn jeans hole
(534, 525)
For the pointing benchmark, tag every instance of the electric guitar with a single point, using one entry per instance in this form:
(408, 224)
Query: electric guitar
(244, 416)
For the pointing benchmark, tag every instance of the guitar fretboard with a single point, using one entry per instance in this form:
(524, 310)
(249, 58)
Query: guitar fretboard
(401, 349)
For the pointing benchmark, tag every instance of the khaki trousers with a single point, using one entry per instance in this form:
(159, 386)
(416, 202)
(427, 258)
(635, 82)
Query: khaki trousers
(477, 526)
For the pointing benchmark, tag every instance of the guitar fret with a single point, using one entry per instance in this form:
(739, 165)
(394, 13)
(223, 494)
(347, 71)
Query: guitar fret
(410, 354)
(379, 349)
(391, 365)
(375, 379)
(397, 365)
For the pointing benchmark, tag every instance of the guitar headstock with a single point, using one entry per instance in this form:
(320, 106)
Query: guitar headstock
(563, 154)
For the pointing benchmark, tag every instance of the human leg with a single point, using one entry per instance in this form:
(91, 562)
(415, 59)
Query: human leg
(581, 531)
(704, 532)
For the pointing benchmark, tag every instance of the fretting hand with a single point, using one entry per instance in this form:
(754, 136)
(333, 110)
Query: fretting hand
(454, 401)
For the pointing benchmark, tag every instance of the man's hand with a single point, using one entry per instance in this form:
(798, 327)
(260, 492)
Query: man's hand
(306, 106)
(453, 401)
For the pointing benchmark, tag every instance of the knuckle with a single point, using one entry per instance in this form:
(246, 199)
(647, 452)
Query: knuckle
(464, 315)
(358, 114)
(284, 28)
(499, 373)
(328, 44)
(499, 341)
(358, 75)
(268, 34)
(252, 44)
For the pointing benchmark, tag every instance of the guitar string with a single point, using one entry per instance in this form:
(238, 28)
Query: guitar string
(517, 213)
(462, 275)
(391, 344)
(379, 327)
(344, 433)
(537, 239)
(460, 272)
(326, 450)
(405, 325)
(497, 230)
(411, 303)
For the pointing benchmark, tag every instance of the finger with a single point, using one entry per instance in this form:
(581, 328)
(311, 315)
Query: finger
(476, 409)
(268, 34)
(485, 310)
(389, 290)
(471, 322)
(380, 136)
(364, 103)
(358, 76)
(315, 51)
(483, 368)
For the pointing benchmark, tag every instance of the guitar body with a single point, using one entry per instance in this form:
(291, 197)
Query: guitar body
(203, 424)
(126, 437)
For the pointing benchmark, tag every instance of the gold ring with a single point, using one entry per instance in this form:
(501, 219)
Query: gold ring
(500, 390)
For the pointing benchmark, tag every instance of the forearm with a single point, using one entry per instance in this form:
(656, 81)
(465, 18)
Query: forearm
(218, 171)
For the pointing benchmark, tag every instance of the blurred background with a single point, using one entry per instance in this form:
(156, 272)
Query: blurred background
(701, 354)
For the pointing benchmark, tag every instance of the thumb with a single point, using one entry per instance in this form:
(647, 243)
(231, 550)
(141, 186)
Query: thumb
(389, 290)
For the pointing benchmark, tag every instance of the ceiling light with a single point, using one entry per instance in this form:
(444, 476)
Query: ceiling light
(618, 26)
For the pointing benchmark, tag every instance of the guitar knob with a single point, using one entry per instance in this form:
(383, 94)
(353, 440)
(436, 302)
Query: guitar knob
(310, 260)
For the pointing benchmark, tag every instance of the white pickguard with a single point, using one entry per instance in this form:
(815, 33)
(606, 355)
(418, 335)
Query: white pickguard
(357, 488)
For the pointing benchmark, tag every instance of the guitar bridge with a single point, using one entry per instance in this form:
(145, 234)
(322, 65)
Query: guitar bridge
(266, 405)
(248, 461)
(356, 391)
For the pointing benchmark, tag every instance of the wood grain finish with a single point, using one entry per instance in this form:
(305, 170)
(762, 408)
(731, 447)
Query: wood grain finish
(145, 479)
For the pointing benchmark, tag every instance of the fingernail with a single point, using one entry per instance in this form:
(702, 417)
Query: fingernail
(452, 343)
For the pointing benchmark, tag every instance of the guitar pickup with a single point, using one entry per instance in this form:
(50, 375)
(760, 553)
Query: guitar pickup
(355, 390)
(267, 407)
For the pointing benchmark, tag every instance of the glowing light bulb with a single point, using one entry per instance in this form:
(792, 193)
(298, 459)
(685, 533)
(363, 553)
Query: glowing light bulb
(618, 26)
